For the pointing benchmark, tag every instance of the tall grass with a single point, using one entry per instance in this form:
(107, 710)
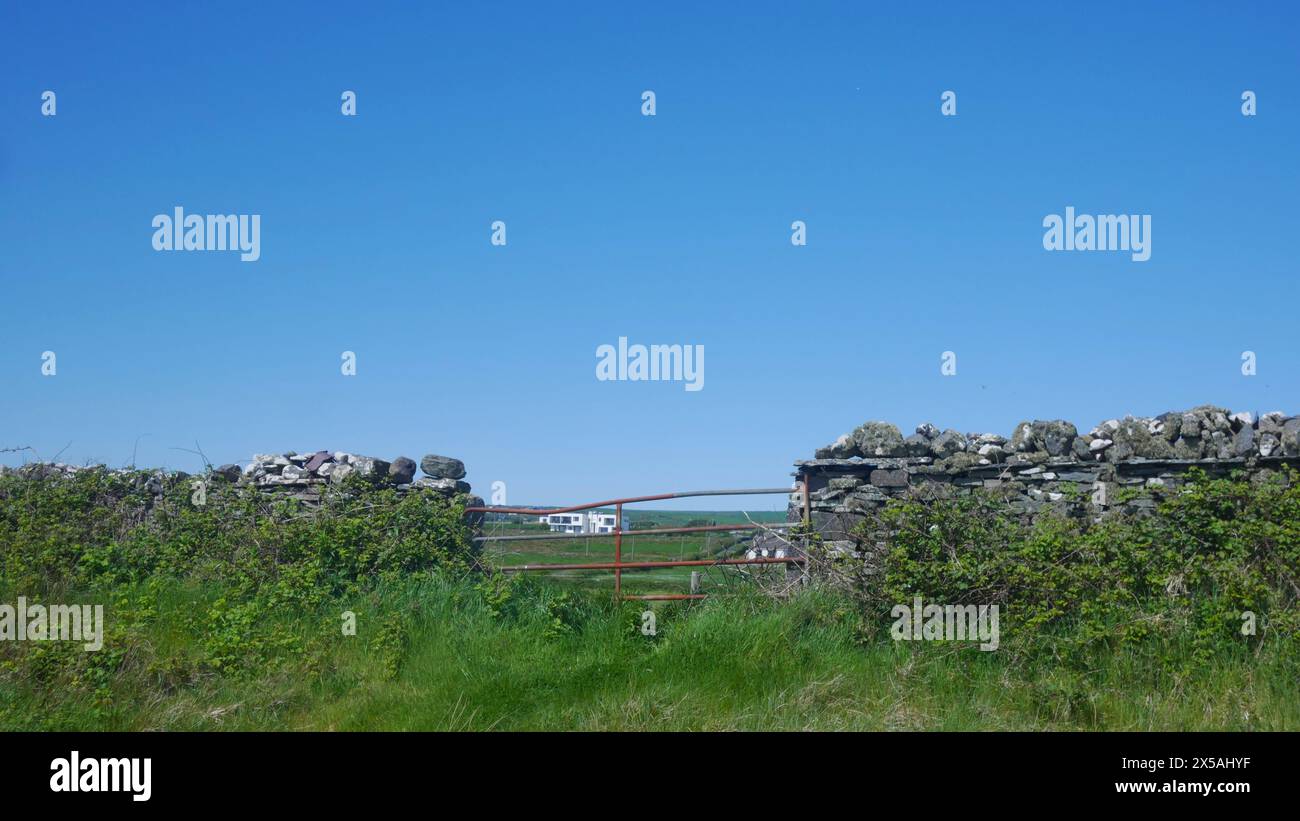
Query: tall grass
(539, 659)
(235, 616)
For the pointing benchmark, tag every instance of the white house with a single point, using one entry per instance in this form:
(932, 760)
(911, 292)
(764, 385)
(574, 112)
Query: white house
(589, 521)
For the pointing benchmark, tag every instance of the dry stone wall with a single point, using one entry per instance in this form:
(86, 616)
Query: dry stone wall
(305, 470)
(302, 476)
(1043, 467)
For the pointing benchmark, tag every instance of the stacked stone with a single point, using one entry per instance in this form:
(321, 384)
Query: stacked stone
(154, 482)
(442, 474)
(1044, 466)
(1205, 432)
(292, 475)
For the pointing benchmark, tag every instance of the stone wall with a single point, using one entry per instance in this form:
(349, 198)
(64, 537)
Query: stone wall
(302, 476)
(1043, 467)
(305, 470)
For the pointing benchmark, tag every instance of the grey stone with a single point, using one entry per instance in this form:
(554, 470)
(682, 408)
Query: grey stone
(371, 468)
(993, 453)
(317, 459)
(1269, 444)
(947, 444)
(889, 478)
(868, 493)
(446, 486)
(1210, 418)
(1173, 424)
(474, 519)
(1022, 438)
(927, 430)
(401, 471)
(1291, 437)
(917, 445)
(1056, 436)
(1077, 476)
(841, 448)
(1243, 444)
(879, 439)
(1219, 422)
(1120, 450)
(1135, 438)
(1221, 444)
(1271, 422)
(959, 462)
(1080, 447)
(442, 467)
(1187, 447)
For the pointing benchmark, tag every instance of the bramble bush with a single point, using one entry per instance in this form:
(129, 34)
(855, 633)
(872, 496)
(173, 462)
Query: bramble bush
(1213, 550)
(253, 563)
(230, 612)
(102, 529)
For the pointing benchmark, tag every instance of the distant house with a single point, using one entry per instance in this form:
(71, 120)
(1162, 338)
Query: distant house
(587, 522)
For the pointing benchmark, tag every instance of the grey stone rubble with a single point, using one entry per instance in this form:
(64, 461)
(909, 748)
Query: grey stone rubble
(1044, 466)
(303, 470)
(301, 475)
(153, 481)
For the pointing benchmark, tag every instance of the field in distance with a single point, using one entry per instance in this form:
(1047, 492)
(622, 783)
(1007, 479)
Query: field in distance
(600, 548)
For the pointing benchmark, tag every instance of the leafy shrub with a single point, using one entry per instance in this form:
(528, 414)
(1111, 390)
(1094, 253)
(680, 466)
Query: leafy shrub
(1213, 550)
(98, 533)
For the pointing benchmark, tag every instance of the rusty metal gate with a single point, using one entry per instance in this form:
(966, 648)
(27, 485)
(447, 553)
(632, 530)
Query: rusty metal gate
(618, 565)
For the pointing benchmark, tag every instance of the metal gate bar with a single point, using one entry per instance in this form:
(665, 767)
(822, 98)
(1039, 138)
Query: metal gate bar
(618, 565)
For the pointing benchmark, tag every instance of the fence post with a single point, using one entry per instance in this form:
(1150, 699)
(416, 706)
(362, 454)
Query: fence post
(807, 513)
(618, 551)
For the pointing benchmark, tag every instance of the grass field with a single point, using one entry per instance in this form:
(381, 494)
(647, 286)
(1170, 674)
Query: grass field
(735, 663)
(686, 546)
(237, 614)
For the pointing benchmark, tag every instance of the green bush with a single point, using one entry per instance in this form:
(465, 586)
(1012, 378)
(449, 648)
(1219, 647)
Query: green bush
(259, 561)
(1213, 551)
(228, 616)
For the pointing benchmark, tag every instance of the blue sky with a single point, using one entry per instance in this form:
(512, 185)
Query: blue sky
(924, 231)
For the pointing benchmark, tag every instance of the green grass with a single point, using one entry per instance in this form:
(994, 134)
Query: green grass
(639, 548)
(229, 616)
(540, 659)
(685, 546)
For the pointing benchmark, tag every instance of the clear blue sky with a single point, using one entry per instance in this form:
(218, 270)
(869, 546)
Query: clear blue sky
(924, 232)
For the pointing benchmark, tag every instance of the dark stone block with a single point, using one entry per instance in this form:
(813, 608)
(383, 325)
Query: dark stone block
(889, 478)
